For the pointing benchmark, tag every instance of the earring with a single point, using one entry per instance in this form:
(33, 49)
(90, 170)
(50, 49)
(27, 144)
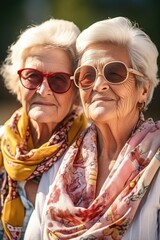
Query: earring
(141, 106)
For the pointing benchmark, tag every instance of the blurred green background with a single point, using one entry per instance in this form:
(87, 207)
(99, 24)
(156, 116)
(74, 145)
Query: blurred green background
(16, 15)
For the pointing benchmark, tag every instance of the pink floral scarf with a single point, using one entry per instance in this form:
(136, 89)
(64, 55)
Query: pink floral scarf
(73, 211)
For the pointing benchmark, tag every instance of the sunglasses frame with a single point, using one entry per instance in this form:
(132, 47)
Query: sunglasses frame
(43, 75)
(128, 70)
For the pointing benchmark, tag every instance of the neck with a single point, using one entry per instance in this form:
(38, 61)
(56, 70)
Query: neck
(41, 132)
(111, 139)
(113, 135)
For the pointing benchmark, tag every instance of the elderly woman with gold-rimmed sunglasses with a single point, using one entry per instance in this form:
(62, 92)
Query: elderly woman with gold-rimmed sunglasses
(107, 186)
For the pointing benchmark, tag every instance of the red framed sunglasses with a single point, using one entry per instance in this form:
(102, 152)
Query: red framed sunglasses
(59, 82)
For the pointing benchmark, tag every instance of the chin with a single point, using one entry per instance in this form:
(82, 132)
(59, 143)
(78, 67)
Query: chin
(40, 117)
(97, 115)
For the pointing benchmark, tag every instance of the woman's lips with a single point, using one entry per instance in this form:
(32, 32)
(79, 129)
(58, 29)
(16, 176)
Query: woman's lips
(103, 99)
(43, 103)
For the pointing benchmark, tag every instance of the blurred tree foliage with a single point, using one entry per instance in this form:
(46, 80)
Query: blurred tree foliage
(16, 15)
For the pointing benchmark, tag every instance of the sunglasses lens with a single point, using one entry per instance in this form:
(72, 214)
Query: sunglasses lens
(59, 82)
(85, 76)
(30, 78)
(115, 72)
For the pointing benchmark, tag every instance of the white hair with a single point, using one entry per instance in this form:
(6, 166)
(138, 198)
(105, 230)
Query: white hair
(120, 30)
(53, 32)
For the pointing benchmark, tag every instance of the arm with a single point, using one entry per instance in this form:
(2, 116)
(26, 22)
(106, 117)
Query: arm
(36, 223)
(31, 188)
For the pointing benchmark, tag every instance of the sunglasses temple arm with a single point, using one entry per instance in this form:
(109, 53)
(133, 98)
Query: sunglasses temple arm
(131, 70)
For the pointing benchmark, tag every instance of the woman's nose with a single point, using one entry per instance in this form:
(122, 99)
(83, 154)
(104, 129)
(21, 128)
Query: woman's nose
(44, 88)
(100, 83)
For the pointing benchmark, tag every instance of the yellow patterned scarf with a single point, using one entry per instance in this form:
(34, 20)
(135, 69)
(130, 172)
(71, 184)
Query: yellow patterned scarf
(22, 161)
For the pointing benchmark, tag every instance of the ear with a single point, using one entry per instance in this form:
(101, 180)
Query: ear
(145, 89)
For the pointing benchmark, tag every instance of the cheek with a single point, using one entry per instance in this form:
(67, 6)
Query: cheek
(67, 99)
(84, 96)
(128, 96)
(25, 97)
(85, 99)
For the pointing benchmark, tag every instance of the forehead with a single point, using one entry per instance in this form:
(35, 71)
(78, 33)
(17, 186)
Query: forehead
(46, 53)
(93, 56)
(57, 59)
(100, 53)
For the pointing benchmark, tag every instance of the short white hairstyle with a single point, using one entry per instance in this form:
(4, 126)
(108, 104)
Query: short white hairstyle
(53, 32)
(120, 30)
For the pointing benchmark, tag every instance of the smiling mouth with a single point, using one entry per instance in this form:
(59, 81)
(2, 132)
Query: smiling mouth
(43, 103)
(103, 100)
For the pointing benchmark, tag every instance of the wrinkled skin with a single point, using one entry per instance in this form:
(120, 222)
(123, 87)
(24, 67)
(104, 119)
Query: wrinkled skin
(45, 108)
(113, 108)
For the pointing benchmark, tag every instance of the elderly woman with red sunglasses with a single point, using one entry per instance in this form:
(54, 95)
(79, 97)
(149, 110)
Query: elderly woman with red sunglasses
(37, 70)
(107, 186)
